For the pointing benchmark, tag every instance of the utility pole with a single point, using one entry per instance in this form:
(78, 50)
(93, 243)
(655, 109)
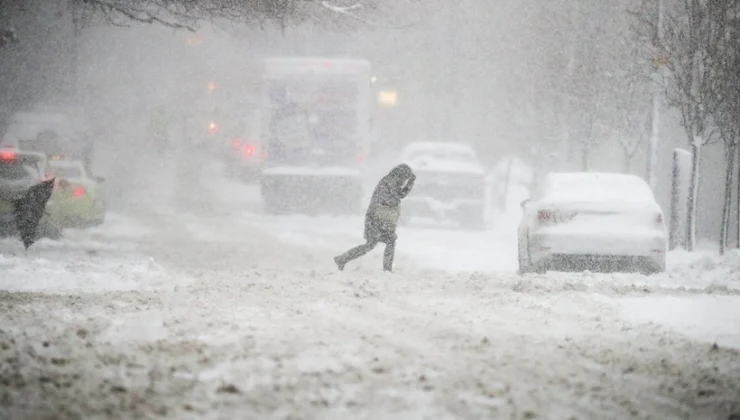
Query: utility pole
(652, 163)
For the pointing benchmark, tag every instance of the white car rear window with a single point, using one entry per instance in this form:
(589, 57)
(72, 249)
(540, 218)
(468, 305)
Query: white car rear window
(597, 187)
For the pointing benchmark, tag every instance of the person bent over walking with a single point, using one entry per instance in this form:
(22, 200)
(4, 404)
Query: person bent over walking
(382, 216)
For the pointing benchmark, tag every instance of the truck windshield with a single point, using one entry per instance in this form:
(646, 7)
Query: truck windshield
(313, 119)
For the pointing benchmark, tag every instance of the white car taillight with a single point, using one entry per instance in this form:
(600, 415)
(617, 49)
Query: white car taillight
(552, 217)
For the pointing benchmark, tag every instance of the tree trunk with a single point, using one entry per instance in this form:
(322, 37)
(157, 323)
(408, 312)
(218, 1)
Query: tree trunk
(727, 205)
(737, 196)
(693, 193)
(627, 163)
(652, 149)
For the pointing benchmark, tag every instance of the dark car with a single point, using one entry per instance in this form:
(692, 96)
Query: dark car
(450, 185)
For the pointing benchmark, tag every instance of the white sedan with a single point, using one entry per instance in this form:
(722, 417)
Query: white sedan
(587, 220)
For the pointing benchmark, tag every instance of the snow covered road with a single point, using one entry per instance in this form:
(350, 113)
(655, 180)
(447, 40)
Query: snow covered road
(225, 313)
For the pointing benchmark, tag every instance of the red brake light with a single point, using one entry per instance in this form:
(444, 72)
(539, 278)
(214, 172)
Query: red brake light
(549, 217)
(248, 150)
(546, 216)
(79, 192)
(7, 155)
(237, 143)
(212, 127)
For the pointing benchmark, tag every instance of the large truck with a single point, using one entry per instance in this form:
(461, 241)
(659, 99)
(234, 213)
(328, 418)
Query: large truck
(315, 133)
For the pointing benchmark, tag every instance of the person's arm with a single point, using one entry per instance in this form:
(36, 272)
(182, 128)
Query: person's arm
(388, 196)
(408, 187)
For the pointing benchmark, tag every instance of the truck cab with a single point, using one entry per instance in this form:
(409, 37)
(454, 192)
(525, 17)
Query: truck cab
(315, 133)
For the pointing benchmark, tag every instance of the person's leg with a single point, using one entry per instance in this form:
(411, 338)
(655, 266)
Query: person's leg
(354, 253)
(388, 254)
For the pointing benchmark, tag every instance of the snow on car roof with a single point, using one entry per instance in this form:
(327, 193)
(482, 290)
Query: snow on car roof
(442, 157)
(597, 186)
(436, 146)
(442, 165)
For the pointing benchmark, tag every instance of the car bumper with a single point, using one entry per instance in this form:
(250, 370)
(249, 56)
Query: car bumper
(640, 248)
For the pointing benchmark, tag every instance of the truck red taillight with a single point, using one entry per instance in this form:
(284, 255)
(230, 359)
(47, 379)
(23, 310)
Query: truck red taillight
(248, 150)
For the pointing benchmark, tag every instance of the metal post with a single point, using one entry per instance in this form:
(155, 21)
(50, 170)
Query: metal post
(680, 186)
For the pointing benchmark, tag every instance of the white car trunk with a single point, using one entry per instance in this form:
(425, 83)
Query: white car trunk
(598, 217)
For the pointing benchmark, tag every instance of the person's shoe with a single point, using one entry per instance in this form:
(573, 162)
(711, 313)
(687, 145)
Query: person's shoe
(340, 263)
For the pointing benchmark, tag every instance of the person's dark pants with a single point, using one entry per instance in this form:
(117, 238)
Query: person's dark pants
(358, 251)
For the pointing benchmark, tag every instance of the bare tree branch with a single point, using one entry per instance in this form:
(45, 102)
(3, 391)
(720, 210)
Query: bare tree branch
(188, 14)
(698, 81)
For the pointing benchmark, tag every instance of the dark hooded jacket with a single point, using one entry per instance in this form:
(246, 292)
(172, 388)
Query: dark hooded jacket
(384, 209)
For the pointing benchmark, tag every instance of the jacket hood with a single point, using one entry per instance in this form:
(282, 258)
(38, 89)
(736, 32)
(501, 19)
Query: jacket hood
(401, 171)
